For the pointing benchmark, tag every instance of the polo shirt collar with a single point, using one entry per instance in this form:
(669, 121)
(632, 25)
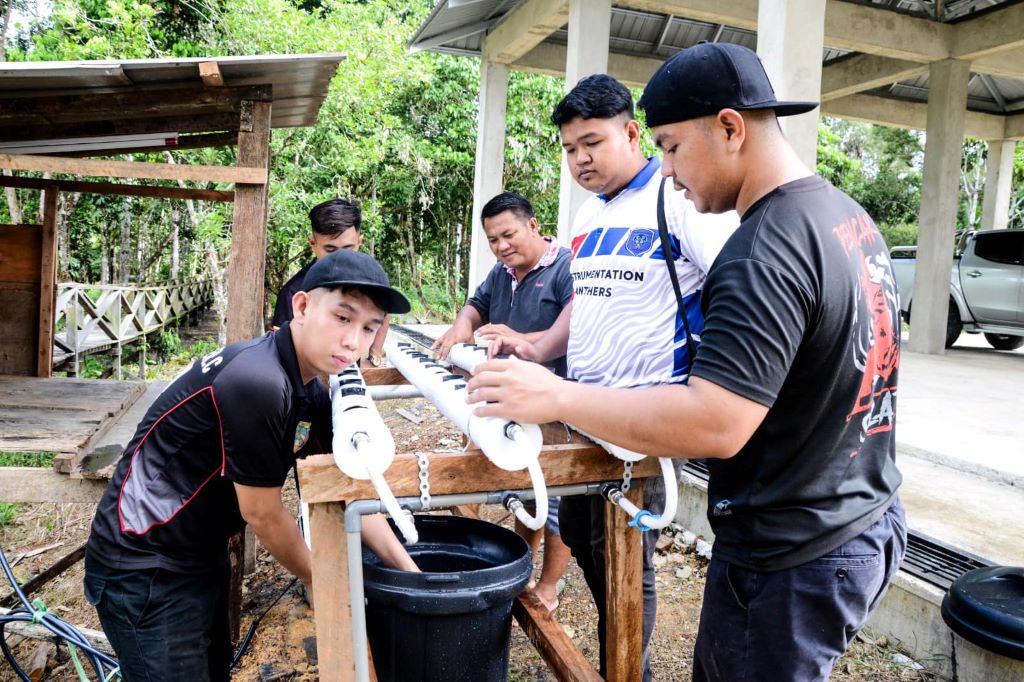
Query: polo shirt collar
(639, 180)
(286, 352)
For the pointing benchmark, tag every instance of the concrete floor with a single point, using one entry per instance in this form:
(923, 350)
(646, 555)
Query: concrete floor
(960, 443)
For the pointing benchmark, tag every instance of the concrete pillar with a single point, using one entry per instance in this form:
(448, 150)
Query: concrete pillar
(940, 192)
(586, 54)
(995, 211)
(790, 40)
(490, 163)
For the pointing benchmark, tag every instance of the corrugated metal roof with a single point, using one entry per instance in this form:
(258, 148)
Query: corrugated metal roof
(299, 82)
(654, 35)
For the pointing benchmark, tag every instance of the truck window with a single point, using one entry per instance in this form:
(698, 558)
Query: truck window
(1001, 247)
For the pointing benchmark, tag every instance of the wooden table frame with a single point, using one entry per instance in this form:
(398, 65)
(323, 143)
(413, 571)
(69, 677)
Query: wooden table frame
(328, 491)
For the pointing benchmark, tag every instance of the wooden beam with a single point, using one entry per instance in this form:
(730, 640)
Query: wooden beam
(58, 567)
(249, 228)
(624, 596)
(132, 104)
(119, 189)
(563, 657)
(322, 481)
(524, 28)
(201, 141)
(31, 485)
(330, 591)
(47, 283)
(97, 638)
(383, 376)
(135, 169)
(210, 74)
(201, 123)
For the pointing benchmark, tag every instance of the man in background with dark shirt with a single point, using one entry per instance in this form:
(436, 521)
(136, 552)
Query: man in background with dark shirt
(210, 456)
(792, 394)
(523, 295)
(335, 225)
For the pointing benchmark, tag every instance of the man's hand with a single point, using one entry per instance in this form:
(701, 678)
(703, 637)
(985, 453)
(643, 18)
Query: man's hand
(522, 391)
(460, 332)
(491, 331)
(513, 345)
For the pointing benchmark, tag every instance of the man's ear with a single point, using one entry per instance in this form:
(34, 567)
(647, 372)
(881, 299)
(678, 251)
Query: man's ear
(311, 239)
(633, 131)
(731, 124)
(534, 225)
(300, 306)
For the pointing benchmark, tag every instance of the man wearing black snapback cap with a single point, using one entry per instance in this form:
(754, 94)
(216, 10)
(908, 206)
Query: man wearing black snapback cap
(792, 394)
(211, 455)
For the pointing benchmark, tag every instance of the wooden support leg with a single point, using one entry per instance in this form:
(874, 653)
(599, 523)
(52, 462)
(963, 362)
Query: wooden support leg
(625, 591)
(235, 557)
(331, 598)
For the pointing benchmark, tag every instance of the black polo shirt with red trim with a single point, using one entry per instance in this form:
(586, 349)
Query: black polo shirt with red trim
(239, 415)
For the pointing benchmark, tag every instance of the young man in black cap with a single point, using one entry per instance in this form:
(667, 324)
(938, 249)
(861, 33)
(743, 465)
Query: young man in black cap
(792, 392)
(211, 455)
(335, 225)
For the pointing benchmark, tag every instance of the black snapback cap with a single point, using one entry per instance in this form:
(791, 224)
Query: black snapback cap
(352, 268)
(708, 77)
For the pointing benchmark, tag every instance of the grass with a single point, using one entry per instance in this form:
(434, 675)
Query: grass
(8, 512)
(27, 459)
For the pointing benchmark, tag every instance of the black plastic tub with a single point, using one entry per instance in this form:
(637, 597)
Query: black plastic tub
(452, 622)
(986, 606)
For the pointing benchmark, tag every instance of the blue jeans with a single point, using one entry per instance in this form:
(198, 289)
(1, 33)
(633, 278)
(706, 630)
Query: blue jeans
(163, 625)
(792, 625)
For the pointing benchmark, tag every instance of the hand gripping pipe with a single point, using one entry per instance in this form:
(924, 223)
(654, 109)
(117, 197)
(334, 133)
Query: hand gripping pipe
(363, 446)
(509, 445)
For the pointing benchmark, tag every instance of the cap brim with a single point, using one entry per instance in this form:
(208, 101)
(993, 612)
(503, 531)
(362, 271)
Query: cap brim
(783, 108)
(395, 302)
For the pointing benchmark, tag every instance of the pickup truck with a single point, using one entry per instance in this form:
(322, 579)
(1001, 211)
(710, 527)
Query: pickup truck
(986, 289)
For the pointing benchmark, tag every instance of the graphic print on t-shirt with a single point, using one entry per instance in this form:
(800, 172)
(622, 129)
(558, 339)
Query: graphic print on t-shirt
(875, 345)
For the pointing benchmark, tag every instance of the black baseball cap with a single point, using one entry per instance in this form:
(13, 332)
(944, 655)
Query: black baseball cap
(708, 77)
(346, 267)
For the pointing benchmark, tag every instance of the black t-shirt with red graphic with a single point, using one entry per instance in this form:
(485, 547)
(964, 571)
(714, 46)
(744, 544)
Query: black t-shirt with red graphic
(802, 316)
(239, 415)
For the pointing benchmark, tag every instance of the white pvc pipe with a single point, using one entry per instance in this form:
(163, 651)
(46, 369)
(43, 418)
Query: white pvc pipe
(395, 392)
(509, 445)
(363, 445)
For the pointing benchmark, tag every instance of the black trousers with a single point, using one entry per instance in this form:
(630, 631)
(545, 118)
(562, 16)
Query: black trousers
(581, 519)
(792, 625)
(163, 625)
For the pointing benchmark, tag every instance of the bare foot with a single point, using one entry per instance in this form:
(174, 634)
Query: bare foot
(547, 596)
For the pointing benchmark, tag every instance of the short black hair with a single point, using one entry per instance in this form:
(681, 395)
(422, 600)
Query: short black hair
(507, 201)
(333, 217)
(597, 96)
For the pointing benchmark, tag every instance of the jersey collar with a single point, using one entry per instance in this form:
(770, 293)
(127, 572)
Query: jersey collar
(290, 363)
(639, 180)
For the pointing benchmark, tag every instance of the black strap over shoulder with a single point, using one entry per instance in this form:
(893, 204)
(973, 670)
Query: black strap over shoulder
(666, 249)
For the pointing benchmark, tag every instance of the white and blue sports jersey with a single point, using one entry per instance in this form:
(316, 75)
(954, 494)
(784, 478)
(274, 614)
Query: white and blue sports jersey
(625, 328)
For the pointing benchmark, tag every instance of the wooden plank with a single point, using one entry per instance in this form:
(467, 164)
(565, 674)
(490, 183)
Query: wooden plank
(99, 460)
(104, 396)
(18, 328)
(120, 189)
(201, 141)
(464, 472)
(47, 283)
(563, 657)
(249, 228)
(135, 169)
(624, 597)
(35, 430)
(58, 567)
(209, 72)
(330, 593)
(95, 637)
(20, 255)
(31, 485)
(383, 376)
(199, 123)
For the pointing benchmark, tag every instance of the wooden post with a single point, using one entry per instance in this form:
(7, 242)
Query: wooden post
(249, 229)
(624, 598)
(331, 597)
(47, 282)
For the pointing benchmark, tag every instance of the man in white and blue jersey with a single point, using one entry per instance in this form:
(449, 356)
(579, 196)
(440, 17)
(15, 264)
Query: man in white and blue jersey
(623, 327)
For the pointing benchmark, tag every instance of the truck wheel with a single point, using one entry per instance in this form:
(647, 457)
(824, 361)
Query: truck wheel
(1004, 341)
(953, 324)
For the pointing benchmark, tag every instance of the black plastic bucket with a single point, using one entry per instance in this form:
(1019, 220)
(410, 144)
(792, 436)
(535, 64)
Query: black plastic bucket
(986, 606)
(452, 622)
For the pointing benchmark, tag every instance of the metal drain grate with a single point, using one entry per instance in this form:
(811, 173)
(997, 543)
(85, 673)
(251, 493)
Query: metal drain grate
(929, 559)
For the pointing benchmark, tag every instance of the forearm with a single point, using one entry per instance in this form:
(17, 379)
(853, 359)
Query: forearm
(377, 347)
(279, 534)
(378, 536)
(468, 319)
(663, 421)
(554, 342)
